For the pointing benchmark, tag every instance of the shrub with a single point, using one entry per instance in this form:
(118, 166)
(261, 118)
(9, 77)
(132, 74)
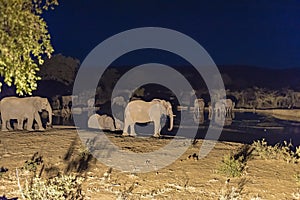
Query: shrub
(279, 151)
(59, 188)
(31, 165)
(232, 165)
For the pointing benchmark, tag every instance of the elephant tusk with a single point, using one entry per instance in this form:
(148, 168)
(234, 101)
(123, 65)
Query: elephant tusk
(174, 115)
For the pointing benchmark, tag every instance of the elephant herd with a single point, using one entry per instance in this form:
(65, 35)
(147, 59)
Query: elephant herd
(219, 110)
(139, 111)
(136, 111)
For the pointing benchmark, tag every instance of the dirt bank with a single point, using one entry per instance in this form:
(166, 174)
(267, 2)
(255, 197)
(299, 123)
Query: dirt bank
(185, 178)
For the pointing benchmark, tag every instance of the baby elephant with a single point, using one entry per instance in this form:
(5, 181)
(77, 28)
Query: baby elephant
(103, 122)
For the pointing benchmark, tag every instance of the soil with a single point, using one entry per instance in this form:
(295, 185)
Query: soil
(189, 177)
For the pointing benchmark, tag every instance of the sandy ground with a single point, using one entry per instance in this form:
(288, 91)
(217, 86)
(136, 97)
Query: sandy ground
(184, 179)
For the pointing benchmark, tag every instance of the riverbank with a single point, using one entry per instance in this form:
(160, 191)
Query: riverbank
(284, 114)
(188, 177)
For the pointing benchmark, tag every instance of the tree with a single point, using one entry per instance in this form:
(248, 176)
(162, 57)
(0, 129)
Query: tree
(60, 68)
(24, 42)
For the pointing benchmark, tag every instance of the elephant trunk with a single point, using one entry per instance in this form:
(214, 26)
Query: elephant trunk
(49, 110)
(171, 121)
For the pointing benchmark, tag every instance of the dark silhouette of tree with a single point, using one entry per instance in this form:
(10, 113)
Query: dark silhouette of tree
(60, 68)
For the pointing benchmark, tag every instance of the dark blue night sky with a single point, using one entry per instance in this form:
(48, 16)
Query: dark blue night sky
(234, 32)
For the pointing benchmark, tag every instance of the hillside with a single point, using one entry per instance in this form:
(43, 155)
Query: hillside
(248, 76)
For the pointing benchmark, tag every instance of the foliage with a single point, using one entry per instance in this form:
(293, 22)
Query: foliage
(279, 151)
(140, 92)
(24, 40)
(232, 165)
(31, 165)
(59, 188)
(60, 68)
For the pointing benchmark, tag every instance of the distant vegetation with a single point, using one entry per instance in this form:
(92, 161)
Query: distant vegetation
(254, 88)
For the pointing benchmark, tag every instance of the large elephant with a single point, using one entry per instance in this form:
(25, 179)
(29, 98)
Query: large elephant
(24, 108)
(140, 111)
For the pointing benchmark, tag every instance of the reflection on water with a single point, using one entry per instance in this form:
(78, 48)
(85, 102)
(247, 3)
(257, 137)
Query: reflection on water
(219, 118)
(238, 127)
(245, 127)
(58, 120)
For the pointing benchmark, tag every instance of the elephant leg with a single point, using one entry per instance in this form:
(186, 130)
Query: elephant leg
(157, 128)
(4, 124)
(125, 129)
(39, 122)
(20, 124)
(132, 131)
(29, 124)
(229, 112)
(109, 123)
(210, 115)
(8, 125)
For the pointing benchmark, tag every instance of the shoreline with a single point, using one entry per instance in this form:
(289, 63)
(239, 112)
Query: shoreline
(284, 114)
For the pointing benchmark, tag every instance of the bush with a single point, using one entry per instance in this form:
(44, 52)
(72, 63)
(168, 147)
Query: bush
(58, 188)
(32, 164)
(279, 151)
(232, 165)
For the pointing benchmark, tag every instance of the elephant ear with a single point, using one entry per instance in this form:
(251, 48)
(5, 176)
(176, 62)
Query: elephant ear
(38, 105)
(166, 104)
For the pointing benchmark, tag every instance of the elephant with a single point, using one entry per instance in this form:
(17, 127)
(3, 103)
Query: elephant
(198, 110)
(229, 105)
(90, 104)
(103, 122)
(118, 106)
(139, 111)
(210, 110)
(66, 113)
(220, 108)
(55, 103)
(66, 101)
(24, 108)
(220, 118)
(120, 101)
